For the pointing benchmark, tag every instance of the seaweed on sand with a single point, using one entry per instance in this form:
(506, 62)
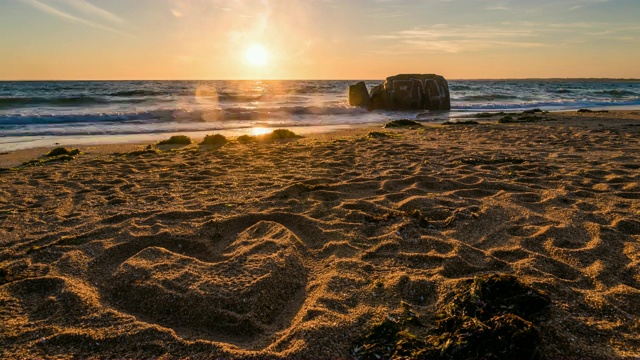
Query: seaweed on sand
(507, 119)
(245, 139)
(402, 123)
(591, 111)
(281, 134)
(278, 134)
(58, 154)
(392, 338)
(176, 140)
(62, 151)
(533, 111)
(487, 115)
(143, 152)
(488, 317)
(214, 140)
(377, 135)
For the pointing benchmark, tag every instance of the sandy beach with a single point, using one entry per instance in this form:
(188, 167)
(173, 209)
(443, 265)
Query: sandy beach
(299, 248)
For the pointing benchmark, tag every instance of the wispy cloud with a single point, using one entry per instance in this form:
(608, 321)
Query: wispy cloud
(38, 4)
(90, 9)
(444, 38)
(455, 39)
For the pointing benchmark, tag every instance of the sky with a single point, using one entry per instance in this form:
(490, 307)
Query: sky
(318, 39)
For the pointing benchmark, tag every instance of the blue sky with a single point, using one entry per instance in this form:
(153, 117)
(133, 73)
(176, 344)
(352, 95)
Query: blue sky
(318, 39)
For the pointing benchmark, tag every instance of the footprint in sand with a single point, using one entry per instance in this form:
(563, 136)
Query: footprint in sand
(239, 287)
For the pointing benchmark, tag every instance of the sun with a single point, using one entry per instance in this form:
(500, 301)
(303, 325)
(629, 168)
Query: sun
(257, 55)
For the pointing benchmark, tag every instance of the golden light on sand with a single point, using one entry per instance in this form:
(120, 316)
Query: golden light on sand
(260, 131)
(257, 55)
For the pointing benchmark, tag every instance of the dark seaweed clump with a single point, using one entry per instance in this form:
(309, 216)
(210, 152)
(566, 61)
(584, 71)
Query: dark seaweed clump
(402, 123)
(143, 152)
(176, 140)
(488, 317)
(245, 139)
(377, 135)
(278, 134)
(214, 140)
(533, 111)
(520, 119)
(58, 154)
(62, 151)
(532, 115)
(488, 115)
(591, 111)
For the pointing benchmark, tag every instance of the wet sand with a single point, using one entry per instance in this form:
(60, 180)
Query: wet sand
(295, 249)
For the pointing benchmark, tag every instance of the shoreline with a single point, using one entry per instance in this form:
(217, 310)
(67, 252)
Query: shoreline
(101, 145)
(17, 143)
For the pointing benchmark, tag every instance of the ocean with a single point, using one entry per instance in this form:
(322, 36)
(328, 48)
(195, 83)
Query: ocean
(44, 113)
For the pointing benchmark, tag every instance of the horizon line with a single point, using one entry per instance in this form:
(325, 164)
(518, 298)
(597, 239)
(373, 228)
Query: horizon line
(345, 79)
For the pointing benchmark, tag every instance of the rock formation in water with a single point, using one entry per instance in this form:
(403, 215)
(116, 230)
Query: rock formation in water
(404, 92)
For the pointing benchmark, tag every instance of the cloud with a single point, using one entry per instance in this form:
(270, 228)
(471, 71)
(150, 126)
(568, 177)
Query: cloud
(38, 4)
(90, 9)
(442, 38)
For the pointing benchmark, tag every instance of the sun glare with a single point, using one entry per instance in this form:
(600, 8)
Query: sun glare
(260, 131)
(257, 55)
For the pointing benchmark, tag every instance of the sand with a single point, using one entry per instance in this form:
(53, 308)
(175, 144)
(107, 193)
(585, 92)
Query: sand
(295, 249)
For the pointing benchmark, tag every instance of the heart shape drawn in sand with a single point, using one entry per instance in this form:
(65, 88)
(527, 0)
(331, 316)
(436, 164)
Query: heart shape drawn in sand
(242, 293)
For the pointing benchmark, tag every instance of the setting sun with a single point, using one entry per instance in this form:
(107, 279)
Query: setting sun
(257, 55)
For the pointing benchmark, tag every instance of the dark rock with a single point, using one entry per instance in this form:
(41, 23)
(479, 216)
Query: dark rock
(409, 92)
(359, 95)
(378, 97)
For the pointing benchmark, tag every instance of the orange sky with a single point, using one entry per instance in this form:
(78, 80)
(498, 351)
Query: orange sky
(320, 39)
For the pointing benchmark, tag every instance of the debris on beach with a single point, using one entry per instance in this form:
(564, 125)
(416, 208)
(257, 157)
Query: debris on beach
(214, 140)
(278, 134)
(400, 123)
(487, 317)
(377, 135)
(59, 154)
(62, 151)
(176, 140)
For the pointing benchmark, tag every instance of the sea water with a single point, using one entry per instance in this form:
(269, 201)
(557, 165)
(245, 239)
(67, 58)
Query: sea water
(43, 113)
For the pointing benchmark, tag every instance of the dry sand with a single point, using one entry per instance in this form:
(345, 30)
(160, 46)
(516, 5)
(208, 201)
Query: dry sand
(296, 248)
